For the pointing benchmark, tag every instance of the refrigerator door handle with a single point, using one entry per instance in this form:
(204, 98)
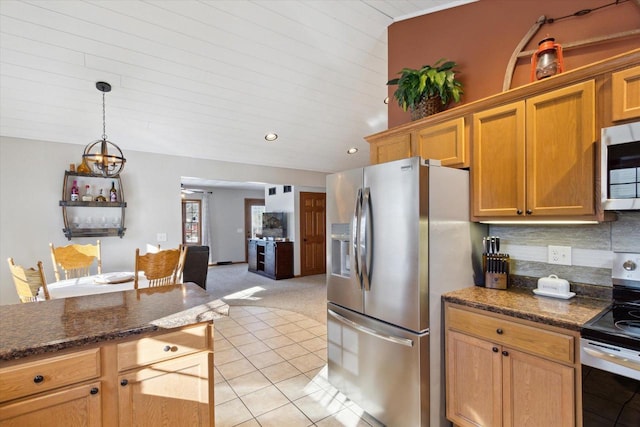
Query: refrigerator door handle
(355, 235)
(365, 240)
(397, 340)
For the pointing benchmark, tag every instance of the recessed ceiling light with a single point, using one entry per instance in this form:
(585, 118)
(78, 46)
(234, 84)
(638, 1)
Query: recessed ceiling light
(271, 136)
(352, 150)
(386, 100)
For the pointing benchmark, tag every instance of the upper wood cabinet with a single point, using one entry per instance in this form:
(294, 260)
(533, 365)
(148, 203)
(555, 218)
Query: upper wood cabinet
(445, 141)
(393, 147)
(625, 94)
(536, 158)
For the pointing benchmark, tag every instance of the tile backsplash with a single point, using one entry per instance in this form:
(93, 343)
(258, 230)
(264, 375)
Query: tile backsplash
(592, 247)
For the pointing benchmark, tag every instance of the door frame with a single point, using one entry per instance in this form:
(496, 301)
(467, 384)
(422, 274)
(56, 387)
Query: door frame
(248, 203)
(305, 194)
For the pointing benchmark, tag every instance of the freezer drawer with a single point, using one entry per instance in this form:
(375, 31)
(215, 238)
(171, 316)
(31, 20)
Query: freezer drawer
(382, 368)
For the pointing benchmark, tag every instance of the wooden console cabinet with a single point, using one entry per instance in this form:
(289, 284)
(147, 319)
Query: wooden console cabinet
(270, 258)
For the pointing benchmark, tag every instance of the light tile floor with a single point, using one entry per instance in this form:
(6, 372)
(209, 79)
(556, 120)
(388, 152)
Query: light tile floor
(270, 370)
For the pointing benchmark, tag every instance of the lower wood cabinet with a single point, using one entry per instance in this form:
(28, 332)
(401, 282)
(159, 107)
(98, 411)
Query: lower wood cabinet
(171, 393)
(508, 373)
(74, 406)
(162, 378)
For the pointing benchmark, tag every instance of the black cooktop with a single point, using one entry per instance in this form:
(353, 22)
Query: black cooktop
(619, 324)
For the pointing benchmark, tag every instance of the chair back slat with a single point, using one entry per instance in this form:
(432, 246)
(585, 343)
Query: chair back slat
(28, 281)
(162, 268)
(76, 260)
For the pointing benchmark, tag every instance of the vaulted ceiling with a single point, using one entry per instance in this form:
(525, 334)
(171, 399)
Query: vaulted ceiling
(205, 79)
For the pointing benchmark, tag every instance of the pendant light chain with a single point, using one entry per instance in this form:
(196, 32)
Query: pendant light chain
(104, 120)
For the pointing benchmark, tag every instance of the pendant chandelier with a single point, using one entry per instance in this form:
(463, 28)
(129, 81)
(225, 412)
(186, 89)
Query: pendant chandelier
(105, 156)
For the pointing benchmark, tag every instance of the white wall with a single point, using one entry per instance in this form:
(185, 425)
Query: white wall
(31, 174)
(228, 235)
(282, 202)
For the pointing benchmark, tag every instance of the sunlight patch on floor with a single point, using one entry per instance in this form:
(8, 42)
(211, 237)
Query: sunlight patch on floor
(246, 294)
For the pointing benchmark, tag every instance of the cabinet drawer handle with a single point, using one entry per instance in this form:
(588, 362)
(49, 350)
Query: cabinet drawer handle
(124, 382)
(499, 331)
(94, 390)
(505, 353)
(38, 379)
(495, 349)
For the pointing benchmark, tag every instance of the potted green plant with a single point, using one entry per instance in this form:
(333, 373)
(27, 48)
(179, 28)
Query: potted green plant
(427, 90)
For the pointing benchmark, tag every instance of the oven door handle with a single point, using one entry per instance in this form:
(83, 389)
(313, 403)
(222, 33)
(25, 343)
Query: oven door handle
(607, 354)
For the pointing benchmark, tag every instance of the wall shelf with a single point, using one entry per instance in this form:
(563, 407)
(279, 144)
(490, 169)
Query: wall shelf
(92, 218)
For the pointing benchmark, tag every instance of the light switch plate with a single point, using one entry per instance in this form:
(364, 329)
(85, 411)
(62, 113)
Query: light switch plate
(559, 255)
(161, 237)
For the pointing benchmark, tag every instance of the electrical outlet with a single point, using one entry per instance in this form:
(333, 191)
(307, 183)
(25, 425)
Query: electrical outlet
(559, 255)
(161, 237)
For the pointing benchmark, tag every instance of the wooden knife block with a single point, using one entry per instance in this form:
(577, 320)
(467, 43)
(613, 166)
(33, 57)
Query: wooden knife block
(496, 280)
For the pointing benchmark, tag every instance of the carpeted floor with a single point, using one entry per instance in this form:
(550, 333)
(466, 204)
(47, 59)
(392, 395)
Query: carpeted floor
(235, 285)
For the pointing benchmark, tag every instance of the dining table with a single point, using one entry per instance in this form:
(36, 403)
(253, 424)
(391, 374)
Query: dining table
(94, 284)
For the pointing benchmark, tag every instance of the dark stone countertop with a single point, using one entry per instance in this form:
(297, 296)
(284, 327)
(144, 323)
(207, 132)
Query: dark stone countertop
(49, 326)
(522, 303)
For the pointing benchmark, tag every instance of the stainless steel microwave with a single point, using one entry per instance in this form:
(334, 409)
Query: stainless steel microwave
(620, 167)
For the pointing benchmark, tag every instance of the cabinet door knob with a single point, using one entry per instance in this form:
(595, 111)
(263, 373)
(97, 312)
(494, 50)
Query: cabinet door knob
(499, 331)
(38, 379)
(519, 212)
(167, 348)
(505, 353)
(124, 382)
(495, 349)
(529, 211)
(94, 390)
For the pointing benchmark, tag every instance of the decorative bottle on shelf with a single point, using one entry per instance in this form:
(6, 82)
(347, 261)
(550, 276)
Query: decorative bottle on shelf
(74, 191)
(101, 197)
(87, 197)
(113, 193)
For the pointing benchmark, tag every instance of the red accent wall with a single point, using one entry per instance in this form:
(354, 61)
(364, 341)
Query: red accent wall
(481, 37)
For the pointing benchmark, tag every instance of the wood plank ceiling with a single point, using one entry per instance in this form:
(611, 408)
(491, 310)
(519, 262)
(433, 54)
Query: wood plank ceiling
(204, 79)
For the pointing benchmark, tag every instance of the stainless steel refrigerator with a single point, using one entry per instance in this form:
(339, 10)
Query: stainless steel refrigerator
(399, 237)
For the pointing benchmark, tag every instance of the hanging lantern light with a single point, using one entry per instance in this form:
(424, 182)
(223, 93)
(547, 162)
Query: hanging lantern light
(106, 157)
(547, 61)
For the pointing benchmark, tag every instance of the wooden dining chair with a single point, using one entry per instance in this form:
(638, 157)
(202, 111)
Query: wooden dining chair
(75, 260)
(28, 281)
(161, 268)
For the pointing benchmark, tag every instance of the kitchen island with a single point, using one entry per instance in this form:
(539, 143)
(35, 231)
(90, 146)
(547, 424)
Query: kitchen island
(513, 357)
(138, 357)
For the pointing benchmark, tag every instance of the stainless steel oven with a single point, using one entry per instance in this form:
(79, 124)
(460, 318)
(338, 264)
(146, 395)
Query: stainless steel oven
(620, 167)
(610, 352)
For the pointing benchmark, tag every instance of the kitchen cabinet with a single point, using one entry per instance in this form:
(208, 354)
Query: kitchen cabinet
(503, 372)
(445, 141)
(175, 392)
(146, 381)
(83, 218)
(389, 148)
(271, 258)
(32, 393)
(535, 158)
(625, 94)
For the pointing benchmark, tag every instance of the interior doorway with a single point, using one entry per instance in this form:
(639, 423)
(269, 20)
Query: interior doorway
(312, 233)
(253, 210)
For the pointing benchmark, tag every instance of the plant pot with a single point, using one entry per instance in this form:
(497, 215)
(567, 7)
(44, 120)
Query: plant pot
(426, 107)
